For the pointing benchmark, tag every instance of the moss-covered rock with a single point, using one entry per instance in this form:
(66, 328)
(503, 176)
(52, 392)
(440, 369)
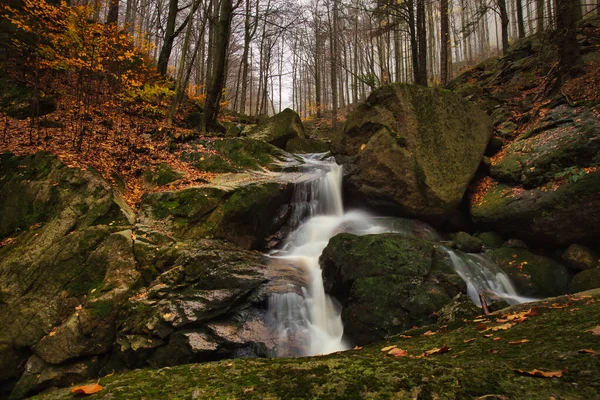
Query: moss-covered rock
(69, 238)
(580, 257)
(279, 129)
(475, 367)
(242, 214)
(412, 148)
(562, 212)
(586, 280)
(491, 240)
(565, 138)
(386, 283)
(161, 175)
(532, 275)
(232, 155)
(467, 243)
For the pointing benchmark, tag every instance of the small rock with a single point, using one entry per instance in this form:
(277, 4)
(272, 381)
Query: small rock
(467, 243)
(491, 240)
(515, 244)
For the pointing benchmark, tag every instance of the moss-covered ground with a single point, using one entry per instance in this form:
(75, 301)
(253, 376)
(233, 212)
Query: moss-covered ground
(480, 362)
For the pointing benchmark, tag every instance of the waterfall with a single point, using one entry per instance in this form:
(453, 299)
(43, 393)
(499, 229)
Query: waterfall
(484, 276)
(306, 320)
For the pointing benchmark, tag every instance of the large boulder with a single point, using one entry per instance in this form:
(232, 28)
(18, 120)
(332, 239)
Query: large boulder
(244, 214)
(279, 129)
(554, 147)
(66, 262)
(558, 212)
(231, 155)
(387, 283)
(87, 290)
(202, 302)
(412, 148)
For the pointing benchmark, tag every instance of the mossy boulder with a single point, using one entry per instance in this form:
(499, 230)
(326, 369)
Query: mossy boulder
(161, 175)
(475, 367)
(231, 155)
(533, 275)
(467, 243)
(279, 129)
(558, 212)
(242, 214)
(564, 139)
(386, 283)
(586, 280)
(413, 149)
(68, 237)
(580, 257)
(490, 240)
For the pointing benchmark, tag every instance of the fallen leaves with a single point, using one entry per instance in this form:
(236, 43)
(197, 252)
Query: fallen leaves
(595, 331)
(428, 333)
(469, 340)
(396, 352)
(502, 327)
(388, 348)
(540, 373)
(519, 341)
(437, 350)
(86, 389)
(588, 351)
(357, 348)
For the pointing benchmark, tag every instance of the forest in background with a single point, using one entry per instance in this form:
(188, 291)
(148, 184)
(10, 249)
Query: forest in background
(118, 84)
(317, 55)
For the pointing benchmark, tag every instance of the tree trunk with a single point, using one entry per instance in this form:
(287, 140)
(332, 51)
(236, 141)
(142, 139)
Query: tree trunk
(540, 15)
(570, 62)
(113, 13)
(169, 38)
(520, 22)
(444, 42)
(213, 94)
(504, 23)
(422, 39)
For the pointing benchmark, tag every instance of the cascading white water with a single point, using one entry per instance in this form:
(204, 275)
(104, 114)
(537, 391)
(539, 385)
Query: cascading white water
(483, 276)
(306, 319)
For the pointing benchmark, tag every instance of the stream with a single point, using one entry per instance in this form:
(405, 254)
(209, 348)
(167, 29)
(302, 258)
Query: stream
(307, 321)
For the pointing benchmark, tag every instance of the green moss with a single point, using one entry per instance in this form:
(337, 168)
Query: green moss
(100, 308)
(533, 275)
(468, 371)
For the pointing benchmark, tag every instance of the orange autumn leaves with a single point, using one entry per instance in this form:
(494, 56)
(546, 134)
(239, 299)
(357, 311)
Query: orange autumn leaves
(395, 351)
(86, 389)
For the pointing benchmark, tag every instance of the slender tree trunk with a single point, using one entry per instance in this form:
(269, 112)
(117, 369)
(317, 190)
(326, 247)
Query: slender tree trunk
(213, 95)
(540, 15)
(520, 21)
(334, 61)
(504, 23)
(444, 42)
(167, 47)
(422, 42)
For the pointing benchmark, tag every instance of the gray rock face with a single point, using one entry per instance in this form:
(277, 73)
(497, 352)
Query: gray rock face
(87, 290)
(414, 149)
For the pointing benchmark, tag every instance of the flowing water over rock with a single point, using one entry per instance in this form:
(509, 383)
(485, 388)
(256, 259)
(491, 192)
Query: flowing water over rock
(308, 321)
